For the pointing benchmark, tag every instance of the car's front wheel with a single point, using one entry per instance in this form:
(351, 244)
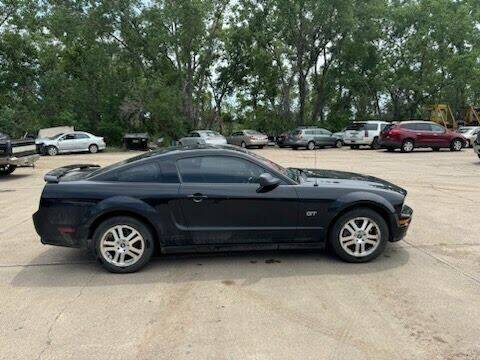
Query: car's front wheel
(338, 144)
(311, 145)
(123, 244)
(359, 235)
(407, 146)
(456, 145)
(52, 150)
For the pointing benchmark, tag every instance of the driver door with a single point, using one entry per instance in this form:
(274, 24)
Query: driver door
(221, 205)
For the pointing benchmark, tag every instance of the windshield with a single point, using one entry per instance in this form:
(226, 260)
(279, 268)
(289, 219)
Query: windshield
(463, 130)
(209, 133)
(252, 132)
(356, 126)
(290, 173)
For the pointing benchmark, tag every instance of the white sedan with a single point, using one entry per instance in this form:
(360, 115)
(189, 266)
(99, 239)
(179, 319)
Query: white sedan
(470, 133)
(203, 137)
(76, 141)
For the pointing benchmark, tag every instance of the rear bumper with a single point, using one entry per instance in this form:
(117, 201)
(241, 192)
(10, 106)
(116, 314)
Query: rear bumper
(257, 142)
(22, 161)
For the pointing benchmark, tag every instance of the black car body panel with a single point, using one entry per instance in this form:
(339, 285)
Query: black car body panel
(211, 216)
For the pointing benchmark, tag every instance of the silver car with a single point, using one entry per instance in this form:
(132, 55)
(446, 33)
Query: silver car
(248, 138)
(203, 137)
(312, 137)
(470, 133)
(76, 141)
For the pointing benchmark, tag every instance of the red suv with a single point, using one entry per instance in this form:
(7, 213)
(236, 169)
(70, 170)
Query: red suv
(409, 135)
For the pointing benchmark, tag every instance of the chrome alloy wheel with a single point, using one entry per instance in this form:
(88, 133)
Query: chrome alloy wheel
(122, 245)
(360, 236)
(457, 145)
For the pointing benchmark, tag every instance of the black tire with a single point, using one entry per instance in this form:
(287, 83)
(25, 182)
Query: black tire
(456, 145)
(334, 235)
(467, 144)
(93, 149)
(311, 145)
(407, 146)
(436, 149)
(140, 227)
(261, 146)
(375, 144)
(338, 144)
(354, 147)
(295, 147)
(243, 144)
(52, 150)
(7, 169)
(390, 149)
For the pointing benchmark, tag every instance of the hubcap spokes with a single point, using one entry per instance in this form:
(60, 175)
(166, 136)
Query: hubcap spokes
(360, 236)
(122, 245)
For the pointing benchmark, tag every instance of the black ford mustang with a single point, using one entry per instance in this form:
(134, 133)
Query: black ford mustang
(211, 198)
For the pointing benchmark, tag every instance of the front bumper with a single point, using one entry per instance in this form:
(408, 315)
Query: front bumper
(22, 161)
(402, 224)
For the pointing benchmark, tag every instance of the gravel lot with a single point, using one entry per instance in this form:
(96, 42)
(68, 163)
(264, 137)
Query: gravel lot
(420, 300)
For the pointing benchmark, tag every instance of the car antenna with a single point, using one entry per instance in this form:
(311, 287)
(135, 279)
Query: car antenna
(315, 166)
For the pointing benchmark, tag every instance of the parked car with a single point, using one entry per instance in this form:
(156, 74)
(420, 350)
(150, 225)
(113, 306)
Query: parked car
(469, 133)
(476, 145)
(409, 135)
(216, 198)
(76, 141)
(364, 133)
(198, 137)
(280, 140)
(16, 153)
(310, 138)
(340, 134)
(248, 138)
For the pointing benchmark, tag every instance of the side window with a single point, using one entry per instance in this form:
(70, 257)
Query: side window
(148, 172)
(81, 136)
(68, 137)
(371, 127)
(383, 126)
(437, 128)
(423, 127)
(409, 126)
(194, 134)
(218, 169)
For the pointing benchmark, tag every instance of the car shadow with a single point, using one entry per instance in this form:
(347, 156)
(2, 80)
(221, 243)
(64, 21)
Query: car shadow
(245, 268)
(13, 177)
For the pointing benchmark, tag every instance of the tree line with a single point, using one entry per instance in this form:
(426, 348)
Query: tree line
(169, 66)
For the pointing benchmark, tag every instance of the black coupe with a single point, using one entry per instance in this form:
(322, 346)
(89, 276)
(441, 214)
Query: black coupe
(216, 198)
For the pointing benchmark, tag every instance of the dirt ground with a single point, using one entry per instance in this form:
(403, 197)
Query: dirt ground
(419, 300)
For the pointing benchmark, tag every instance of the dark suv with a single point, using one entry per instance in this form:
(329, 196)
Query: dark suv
(409, 135)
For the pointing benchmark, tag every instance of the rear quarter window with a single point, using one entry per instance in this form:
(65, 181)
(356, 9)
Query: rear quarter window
(149, 172)
(357, 127)
(371, 127)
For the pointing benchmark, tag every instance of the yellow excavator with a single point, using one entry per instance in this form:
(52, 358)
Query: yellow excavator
(442, 114)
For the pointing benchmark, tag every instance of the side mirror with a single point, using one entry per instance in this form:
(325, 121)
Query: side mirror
(267, 182)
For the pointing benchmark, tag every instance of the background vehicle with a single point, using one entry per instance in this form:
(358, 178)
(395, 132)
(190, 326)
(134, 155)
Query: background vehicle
(16, 153)
(312, 137)
(409, 135)
(340, 134)
(364, 133)
(76, 141)
(248, 138)
(216, 198)
(203, 137)
(469, 133)
(476, 145)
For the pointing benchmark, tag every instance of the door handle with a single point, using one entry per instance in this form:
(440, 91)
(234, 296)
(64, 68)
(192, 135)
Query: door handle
(197, 197)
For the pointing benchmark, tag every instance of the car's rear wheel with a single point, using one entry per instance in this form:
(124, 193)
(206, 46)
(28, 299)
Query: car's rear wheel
(338, 144)
(52, 150)
(311, 145)
(354, 147)
(456, 145)
(407, 145)
(375, 144)
(7, 169)
(436, 149)
(93, 149)
(243, 144)
(123, 244)
(359, 235)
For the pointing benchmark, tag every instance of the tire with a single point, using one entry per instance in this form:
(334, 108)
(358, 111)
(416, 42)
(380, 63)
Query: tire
(436, 149)
(311, 145)
(354, 147)
(467, 144)
(93, 149)
(52, 151)
(261, 146)
(142, 246)
(7, 169)
(372, 243)
(243, 144)
(338, 144)
(407, 145)
(295, 147)
(390, 149)
(456, 145)
(375, 144)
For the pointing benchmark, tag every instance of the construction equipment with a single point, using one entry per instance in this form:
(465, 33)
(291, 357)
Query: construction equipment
(442, 114)
(472, 116)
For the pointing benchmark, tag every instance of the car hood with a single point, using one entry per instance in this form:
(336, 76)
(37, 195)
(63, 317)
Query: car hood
(318, 176)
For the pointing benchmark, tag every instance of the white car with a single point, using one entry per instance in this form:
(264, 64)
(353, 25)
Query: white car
(203, 137)
(470, 133)
(75, 141)
(364, 133)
